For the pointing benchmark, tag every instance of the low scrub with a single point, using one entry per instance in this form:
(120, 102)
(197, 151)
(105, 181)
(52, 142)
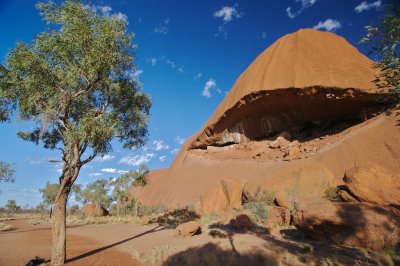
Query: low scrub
(332, 193)
(259, 211)
(6, 227)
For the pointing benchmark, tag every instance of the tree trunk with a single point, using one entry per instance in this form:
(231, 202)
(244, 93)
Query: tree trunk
(58, 252)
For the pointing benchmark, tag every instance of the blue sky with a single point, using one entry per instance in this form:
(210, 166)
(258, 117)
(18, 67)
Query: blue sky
(189, 55)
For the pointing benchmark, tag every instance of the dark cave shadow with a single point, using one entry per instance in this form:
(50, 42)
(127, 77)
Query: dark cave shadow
(92, 252)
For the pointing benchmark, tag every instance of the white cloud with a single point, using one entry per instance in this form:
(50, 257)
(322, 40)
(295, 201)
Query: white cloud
(171, 63)
(162, 28)
(328, 25)
(121, 16)
(207, 87)
(175, 151)
(159, 145)
(179, 140)
(137, 159)
(106, 11)
(304, 5)
(180, 70)
(152, 61)
(105, 158)
(95, 174)
(162, 158)
(228, 13)
(137, 73)
(364, 6)
(113, 171)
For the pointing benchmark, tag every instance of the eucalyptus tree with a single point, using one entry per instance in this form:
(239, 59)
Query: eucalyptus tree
(74, 81)
(384, 41)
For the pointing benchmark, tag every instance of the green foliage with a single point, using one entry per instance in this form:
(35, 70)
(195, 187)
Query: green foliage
(97, 192)
(258, 210)
(292, 193)
(49, 193)
(75, 82)
(332, 193)
(12, 207)
(384, 41)
(141, 179)
(264, 195)
(7, 172)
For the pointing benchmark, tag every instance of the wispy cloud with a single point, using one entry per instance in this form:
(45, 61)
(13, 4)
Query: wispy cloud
(104, 158)
(159, 145)
(95, 174)
(365, 6)
(113, 171)
(179, 140)
(162, 158)
(198, 76)
(137, 160)
(162, 28)
(207, 88)
(180, 70)
(152, 61)
(328, 25)
(263, 35)
(175, 151)
(227, 14)
(137, 73)
(304, 5)
(106, 11)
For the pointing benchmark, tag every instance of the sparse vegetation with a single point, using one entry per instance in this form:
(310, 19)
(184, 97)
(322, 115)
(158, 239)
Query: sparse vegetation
(293, 195)
(259, 211)
(12, 206)
(6, 227)
(332, 193)
(208, 219)
(264, 195)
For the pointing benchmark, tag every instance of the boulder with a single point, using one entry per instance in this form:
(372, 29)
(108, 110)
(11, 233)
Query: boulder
(375, 184)
(358, 224)
(277, 216)
(188, 229)
(224, 195)
(242, 222)
(94, 210)
(280, 142)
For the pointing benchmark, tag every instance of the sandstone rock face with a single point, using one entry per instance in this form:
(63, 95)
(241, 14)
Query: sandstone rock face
(94, 210)
(277, 216)
(375, 184)
(225, 194)
(188, 229)
(355, 224)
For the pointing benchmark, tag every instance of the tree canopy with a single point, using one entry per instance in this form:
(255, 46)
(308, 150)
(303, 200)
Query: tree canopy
(7, 172)
(97, 192)
(384, 40)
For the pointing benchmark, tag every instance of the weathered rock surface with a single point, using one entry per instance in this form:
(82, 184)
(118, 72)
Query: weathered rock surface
(277, 216)
(94, 210)
(227, 193)
(375, 184)
(355, 224)
(188, 229)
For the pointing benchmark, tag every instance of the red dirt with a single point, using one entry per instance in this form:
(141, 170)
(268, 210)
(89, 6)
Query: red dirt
(19, 246)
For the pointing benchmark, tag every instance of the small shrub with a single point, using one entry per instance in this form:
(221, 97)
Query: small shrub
(332, 193)
(208, 219)
(258, 210)
(6, 227)
(264, 195)
(293, 194)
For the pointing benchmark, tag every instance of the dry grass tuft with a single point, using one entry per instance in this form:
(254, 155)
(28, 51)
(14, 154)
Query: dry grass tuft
(6, 227)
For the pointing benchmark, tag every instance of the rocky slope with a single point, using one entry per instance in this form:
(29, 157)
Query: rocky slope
(297, 122)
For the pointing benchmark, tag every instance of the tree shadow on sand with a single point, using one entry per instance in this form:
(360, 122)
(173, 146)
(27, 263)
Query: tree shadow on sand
(92, 252)
(292, 247)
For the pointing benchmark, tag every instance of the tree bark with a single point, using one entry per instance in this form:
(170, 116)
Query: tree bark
(58, 251)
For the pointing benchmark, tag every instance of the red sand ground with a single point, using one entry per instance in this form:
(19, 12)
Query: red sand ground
(114, 245)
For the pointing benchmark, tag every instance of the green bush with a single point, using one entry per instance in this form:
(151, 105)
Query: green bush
(264, 195)
(258, 210)
(332, 193)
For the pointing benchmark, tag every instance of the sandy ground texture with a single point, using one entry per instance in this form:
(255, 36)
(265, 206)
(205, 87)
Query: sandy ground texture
(124, 244)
